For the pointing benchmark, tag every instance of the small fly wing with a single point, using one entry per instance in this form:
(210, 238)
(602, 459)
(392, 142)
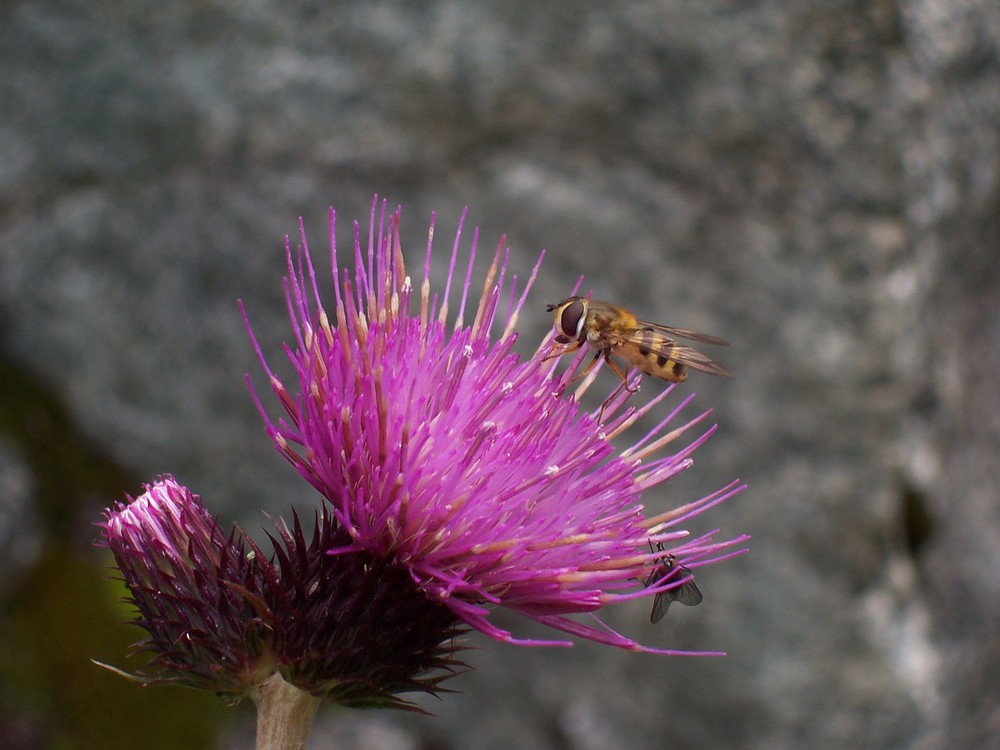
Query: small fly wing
(687, 593)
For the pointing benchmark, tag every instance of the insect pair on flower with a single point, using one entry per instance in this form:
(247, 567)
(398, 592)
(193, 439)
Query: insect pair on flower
(455, 481)
(613, 331)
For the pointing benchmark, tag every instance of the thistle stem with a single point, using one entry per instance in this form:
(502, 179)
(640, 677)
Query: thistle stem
(284, 714)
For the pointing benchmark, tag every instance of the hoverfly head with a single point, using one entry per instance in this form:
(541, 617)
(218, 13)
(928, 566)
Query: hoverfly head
(569, 319)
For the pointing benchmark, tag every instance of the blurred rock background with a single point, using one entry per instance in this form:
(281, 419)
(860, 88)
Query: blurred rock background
(818, 181)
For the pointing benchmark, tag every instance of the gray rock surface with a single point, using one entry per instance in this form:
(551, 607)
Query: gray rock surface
(817, 181)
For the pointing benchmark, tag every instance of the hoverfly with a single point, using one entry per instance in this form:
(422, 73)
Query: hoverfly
(687, 593)
(616, 332)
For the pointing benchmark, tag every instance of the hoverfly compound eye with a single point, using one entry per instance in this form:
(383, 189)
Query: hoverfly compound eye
(571, 320)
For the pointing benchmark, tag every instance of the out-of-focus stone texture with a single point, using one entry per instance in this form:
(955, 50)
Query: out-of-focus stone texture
(817, 181)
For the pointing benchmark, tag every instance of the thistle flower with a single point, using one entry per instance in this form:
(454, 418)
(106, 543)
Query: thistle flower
(456, 477)
(444, 456)
(192, 585)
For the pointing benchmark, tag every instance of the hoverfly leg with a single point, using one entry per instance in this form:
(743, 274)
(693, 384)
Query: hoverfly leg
(558, 350)
(608, 400)
(588, 368)
(619, 373)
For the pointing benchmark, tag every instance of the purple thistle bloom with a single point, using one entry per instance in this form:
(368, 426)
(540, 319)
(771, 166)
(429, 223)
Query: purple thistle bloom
(190, 583)
(444, 455)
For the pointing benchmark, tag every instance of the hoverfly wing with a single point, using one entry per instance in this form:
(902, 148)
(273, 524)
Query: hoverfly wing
(684, 333)
(695, 360)
(670, 350)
